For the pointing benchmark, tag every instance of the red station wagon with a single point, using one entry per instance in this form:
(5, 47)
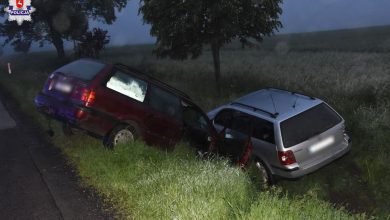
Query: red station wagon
(118, 103)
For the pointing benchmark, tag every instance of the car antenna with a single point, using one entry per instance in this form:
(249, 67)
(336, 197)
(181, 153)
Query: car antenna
(272, 98)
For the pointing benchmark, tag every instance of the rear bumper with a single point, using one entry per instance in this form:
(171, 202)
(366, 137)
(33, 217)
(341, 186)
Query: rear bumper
(299, 172)
(64, 111)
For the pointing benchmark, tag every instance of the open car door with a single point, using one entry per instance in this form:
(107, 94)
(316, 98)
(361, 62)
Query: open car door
(234, 140)
(198, 129)
(237, 149)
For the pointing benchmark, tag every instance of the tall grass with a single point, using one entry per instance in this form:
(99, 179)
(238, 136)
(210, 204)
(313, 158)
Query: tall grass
(145, 183)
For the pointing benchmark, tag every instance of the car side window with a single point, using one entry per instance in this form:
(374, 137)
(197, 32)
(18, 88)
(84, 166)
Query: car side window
(239, 123)
(224, 118)
(128, 85)
(263, 130)
(242, 123)
(192, 117)
(165, 102)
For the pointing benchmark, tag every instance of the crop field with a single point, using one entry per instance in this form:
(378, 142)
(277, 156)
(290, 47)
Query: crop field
(142, 183)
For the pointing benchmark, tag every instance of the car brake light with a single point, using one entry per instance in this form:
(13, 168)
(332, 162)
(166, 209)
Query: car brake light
(50, 84)
(286, 157)
(88, 97)
(80, 114)
(83, 94)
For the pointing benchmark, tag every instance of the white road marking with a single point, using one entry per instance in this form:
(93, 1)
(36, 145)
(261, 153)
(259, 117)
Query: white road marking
(6, 121)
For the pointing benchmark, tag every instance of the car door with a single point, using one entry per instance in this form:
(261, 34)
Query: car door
(197, 129)
(235, 129)
(164, 121)
(263, 140)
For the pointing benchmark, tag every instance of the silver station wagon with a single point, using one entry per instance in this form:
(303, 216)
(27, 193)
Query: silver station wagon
(290, 134)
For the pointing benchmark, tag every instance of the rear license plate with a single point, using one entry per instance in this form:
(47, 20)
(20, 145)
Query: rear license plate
(63, 87)
(322, 144)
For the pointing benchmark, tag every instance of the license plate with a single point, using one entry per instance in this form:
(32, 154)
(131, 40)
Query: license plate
(322, 144)
(63, 87)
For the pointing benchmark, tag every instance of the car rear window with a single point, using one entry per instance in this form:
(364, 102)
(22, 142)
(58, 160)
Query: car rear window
(308, 124)
(82, 69)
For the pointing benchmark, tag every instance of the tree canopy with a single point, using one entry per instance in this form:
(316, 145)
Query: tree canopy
(183, 27)
(54, 21)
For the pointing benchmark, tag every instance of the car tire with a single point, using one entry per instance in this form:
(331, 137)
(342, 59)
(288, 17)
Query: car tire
(120, 134)
(261, 174)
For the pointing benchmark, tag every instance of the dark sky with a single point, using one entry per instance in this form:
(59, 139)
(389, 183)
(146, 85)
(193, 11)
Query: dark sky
(313, 15)
(298, 16)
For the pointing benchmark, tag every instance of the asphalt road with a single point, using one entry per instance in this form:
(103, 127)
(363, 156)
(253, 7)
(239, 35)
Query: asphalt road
(35, 182)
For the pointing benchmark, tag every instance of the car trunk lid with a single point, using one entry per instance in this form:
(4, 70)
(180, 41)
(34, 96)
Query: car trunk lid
(64, 87)
(313, 135)
(319, 147)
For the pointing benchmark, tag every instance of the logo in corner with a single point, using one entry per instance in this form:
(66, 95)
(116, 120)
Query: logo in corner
(19, 11)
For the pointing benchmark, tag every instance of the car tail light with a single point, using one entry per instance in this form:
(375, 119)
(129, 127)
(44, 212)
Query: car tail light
(49, 83)
(80, 114)
(85, 95)
(286, 157)
(88, 97)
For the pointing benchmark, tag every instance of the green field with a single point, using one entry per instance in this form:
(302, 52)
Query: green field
(371, 39)
(351, 73)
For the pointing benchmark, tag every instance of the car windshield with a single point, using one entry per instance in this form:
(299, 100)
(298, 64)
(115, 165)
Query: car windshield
(82, 69)
(308, 124)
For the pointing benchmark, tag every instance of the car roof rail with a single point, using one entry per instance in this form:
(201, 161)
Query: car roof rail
(273, 115)
(291, 92)
(136, 71)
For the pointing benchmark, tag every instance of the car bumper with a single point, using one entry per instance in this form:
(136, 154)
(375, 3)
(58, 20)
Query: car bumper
(299, 172)
(59, 110)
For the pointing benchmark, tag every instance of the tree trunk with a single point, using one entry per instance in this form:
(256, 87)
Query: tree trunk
(58, 43)
(217, 62)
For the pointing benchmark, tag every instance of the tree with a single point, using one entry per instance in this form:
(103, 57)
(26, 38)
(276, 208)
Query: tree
(183, 27)
(91, 43)
(21, 46)
(55, 21)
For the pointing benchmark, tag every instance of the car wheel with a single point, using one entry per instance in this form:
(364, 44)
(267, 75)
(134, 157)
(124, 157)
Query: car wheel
(119, 135)
(261, 174)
